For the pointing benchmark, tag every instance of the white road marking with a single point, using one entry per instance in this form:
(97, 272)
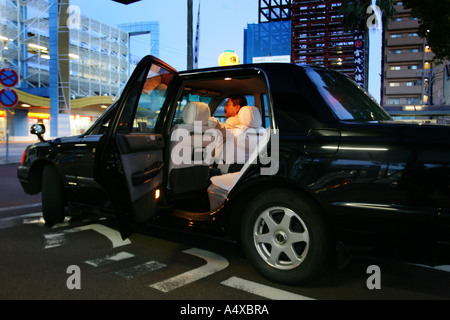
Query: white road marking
(9, 222)
(445, 268)
(56, 239)
(214, 263)
(36, 219)
(138, 270)
(112, 235)
(25, 206)
(262, 290)
(110, 259)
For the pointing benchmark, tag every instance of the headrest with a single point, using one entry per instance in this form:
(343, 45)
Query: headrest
(250, 117)
(196, 111)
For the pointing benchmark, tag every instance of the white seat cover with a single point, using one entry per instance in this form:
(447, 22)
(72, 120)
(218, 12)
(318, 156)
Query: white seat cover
(185, 174)
(247, 137)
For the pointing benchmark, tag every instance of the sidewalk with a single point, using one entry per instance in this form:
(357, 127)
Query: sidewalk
(15, 151)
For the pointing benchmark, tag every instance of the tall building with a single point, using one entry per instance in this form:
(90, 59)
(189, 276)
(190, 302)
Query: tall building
(414, 86)
(98, 52)
(66, 78)
(270, 39)
(319, 37)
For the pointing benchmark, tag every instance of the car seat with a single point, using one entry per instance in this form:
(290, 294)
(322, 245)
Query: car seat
(248, 136)
(187, 169)
(240, 141)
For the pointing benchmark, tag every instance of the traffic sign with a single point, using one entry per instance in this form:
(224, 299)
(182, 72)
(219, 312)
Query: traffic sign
(8, 98)
(8, 77)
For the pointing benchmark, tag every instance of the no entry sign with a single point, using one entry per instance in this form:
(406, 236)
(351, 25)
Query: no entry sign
(8, 77)
(8, 98)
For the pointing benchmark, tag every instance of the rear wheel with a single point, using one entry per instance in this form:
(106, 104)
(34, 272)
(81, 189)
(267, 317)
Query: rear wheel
(285, 237)
(52, 196)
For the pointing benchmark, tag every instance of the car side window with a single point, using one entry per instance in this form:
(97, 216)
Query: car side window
(101, 125)
(219, 112)
(183, 101)
(143, 108)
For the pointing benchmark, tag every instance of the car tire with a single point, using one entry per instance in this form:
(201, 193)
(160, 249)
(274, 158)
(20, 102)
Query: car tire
(285, 237)
(52, 196)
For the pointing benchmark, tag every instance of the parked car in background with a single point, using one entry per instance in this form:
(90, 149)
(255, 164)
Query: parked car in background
(323, 165)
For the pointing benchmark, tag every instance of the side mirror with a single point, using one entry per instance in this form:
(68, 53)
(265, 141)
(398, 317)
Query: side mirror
(38, 129)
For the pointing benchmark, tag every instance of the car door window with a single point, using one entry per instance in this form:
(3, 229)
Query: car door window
(183, 101)
(219, 112)
(101, 125)
(143, 108)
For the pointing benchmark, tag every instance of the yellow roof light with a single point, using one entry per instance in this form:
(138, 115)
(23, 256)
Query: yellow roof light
(228, 58)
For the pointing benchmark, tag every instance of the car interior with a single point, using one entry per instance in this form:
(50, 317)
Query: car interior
(198, 179)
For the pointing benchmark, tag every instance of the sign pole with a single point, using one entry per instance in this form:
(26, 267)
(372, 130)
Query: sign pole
(7, 135)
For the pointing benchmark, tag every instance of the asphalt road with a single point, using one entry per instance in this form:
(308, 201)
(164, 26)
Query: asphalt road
(85, 259)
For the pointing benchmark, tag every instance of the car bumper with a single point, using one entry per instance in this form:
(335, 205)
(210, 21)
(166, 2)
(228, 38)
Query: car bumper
(22, 174)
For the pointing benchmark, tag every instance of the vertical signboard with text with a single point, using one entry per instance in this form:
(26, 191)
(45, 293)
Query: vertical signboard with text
(359, 54)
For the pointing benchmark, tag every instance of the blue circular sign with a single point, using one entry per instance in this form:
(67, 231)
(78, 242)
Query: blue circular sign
(8, 77)
(8, 98)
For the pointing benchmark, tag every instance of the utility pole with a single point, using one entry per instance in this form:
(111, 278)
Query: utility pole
(190, 55)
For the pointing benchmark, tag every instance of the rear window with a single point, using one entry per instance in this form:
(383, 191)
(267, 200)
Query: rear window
(345, 98)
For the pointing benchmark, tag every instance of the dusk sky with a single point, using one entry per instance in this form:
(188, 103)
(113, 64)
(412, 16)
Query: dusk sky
(222, 25)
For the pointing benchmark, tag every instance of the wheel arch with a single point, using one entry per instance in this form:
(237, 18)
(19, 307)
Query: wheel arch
(35, 175)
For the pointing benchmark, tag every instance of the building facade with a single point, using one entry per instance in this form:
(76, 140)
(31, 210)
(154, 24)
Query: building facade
(415, 86)
(319, 36)
(91, 62)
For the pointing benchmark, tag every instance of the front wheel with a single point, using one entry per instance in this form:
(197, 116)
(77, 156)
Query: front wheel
(285, 237)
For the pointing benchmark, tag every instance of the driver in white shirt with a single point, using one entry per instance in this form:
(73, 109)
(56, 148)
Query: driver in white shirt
(234, 104)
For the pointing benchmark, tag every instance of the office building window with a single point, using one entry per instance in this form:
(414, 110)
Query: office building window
(393, 101)
(412, 101)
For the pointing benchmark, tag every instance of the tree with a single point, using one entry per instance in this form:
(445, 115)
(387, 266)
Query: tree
(434, 16)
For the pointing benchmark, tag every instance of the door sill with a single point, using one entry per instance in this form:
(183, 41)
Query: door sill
(192, 216)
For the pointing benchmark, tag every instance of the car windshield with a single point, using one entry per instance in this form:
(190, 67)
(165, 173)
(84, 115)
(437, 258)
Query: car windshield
(345, 98)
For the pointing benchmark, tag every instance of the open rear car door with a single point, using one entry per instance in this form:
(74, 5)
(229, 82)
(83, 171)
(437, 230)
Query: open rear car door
(129, 159)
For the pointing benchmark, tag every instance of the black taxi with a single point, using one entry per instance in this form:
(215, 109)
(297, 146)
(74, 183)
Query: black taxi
(315, 165)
